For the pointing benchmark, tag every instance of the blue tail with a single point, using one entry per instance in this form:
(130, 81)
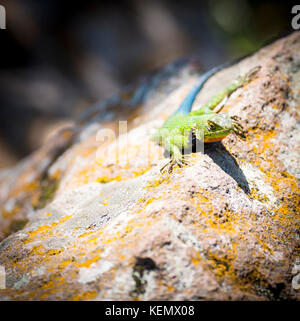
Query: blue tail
(186, 106)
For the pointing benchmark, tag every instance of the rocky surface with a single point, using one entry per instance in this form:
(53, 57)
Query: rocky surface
(88, 219)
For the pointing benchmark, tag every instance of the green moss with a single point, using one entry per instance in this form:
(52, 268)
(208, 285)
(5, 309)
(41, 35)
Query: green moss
(17, 225)
(48, 189)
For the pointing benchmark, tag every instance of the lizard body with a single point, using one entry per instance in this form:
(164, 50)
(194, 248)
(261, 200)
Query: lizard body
(203, 123)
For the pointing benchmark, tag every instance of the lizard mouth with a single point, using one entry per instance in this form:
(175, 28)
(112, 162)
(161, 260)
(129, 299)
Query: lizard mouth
(237, 127)
(212, 140)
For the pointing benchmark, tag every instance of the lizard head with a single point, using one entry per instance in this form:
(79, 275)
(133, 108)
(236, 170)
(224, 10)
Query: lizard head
(218, 126)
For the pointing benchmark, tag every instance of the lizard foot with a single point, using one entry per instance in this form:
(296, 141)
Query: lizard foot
(243, 80)
(180, 161)
(237, 127)
(251, 74)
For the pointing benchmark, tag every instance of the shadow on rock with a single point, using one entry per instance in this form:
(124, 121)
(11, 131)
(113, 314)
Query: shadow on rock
(219, 154)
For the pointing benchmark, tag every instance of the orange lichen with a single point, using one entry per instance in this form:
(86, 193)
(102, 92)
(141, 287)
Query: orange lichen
(86, 234)
(264, 140)
(106, 179)
(87, 263)
(224, 222)
(38, 250)
(196, 258)
(85, 296)
(44, 230)
(159, 179)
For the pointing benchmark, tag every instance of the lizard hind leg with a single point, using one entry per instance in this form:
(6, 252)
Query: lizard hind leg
(251, 74)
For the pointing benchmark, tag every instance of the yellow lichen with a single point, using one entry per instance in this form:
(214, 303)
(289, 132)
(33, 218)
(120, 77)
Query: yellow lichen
(44, 230)
(87, 263)
(85, 296)
(105, 179)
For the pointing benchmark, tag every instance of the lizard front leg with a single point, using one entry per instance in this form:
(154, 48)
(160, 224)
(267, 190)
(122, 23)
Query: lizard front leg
(177, 158)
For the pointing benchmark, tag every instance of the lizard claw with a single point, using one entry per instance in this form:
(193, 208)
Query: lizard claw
(172, 163)
(237, 127)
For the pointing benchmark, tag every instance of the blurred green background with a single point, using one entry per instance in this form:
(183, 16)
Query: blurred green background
(59, 57)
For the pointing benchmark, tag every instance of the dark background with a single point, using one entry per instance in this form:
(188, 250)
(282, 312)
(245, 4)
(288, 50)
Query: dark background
(59, 57)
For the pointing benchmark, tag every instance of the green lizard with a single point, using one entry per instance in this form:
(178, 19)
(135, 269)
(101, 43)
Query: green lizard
(203, 123)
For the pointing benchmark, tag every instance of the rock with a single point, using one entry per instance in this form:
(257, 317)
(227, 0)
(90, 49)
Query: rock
(88, 219)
